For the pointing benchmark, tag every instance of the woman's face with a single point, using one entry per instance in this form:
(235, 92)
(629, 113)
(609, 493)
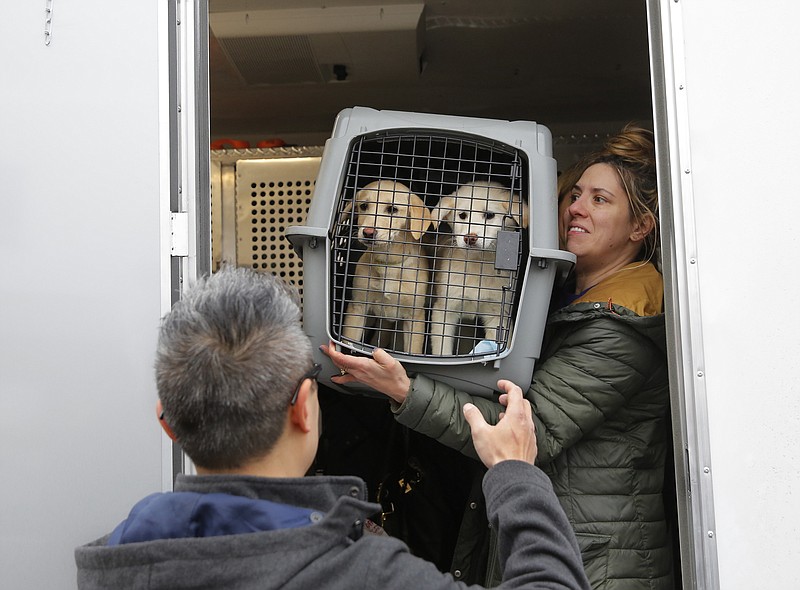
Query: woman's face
(596, 221)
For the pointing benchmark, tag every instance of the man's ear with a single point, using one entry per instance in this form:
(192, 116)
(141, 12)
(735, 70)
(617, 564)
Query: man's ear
(164, 425)
(300, 413)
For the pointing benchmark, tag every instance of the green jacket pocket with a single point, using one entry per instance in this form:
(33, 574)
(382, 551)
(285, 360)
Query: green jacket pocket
(594, 551)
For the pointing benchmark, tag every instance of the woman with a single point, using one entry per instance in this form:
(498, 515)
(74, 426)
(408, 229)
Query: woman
(600, 389)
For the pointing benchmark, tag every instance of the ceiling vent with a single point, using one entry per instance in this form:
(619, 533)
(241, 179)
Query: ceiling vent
(319, 45)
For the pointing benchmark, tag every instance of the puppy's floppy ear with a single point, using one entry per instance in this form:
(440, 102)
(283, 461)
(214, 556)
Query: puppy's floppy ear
(444, 210)
(419, 217)
(519, 211)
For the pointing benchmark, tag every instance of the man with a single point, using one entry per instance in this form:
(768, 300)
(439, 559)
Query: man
(237, 389)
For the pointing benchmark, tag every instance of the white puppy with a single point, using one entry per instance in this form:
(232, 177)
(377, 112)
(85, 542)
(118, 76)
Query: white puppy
(467, 283)
(391, 278)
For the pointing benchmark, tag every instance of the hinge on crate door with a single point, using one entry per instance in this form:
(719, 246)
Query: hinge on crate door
(179, 228)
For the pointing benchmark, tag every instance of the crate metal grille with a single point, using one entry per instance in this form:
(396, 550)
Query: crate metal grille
(428, 237)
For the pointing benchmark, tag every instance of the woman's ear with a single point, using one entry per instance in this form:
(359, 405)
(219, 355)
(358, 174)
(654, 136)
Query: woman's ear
(642, 228)
(163, 422)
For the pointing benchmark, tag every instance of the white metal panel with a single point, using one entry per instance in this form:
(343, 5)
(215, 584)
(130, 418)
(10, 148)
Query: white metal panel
(81, 293)
(743, 90)
(693, 465)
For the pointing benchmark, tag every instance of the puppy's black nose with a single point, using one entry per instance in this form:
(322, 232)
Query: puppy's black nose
(471, 239)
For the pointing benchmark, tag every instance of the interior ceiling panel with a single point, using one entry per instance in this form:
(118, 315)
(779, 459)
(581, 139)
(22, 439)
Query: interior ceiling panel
(558, 62)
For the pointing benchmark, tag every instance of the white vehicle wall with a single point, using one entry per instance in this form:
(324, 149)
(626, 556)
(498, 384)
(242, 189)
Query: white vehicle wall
(732, 86)
(96, 166)
(91, 174)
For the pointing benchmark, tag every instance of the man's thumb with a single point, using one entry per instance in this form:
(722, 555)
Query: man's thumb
(473, 417)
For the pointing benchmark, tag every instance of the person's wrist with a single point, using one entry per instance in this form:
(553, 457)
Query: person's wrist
(400, 393)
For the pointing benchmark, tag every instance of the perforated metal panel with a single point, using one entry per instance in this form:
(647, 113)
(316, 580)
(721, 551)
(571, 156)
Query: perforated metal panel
(270, 196)
(255, 195)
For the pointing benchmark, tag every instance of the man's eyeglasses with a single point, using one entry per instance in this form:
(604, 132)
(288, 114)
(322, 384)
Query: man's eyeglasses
(312, 373)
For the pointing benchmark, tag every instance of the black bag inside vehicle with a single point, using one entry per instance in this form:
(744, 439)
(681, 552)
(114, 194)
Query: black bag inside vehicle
(422, 485)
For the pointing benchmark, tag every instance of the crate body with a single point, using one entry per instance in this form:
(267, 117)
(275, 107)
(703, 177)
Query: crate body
(434, 237)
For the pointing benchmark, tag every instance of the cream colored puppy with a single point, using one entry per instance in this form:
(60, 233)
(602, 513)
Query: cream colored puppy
(391, 278)
(466, 281)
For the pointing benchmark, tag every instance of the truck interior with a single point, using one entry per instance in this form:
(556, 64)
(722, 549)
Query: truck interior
(581, 68)
(281, 70)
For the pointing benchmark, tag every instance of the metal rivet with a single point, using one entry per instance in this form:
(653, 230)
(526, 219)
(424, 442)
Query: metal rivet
(692, 261)
(473, 505)
(699, 373)
(706, 470)
(457, 573)
(680, 87)
(710, 534)
(687, 171)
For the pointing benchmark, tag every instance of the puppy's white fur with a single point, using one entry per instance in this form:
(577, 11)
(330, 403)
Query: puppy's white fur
(392, 277)
(466, 282)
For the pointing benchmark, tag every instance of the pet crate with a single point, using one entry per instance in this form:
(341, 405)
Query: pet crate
(435, 238)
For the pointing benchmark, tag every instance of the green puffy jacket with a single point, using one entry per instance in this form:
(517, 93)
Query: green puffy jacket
(600, 399)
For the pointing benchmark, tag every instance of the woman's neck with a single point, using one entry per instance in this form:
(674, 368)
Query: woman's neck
(586, 279)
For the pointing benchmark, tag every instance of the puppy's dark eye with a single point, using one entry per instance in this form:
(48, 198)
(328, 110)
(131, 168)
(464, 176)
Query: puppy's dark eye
(488, 215)
(362, 206)
(462, 215)
(391, 209)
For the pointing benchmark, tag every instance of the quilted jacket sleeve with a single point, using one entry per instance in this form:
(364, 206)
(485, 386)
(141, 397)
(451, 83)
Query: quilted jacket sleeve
(537, 546)
(595, 366)
(598, 366)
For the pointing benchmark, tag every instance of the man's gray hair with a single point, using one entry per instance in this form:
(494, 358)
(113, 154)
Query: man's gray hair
(230, 354)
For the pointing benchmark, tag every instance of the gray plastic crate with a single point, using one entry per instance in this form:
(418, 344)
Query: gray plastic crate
(434, 237)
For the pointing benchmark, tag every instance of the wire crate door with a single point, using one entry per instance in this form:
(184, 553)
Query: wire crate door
(430, 234)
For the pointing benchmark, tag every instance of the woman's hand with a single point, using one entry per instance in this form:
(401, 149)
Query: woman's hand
(382, 372)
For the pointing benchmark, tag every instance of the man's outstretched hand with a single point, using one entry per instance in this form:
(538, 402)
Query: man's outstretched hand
(513, 437)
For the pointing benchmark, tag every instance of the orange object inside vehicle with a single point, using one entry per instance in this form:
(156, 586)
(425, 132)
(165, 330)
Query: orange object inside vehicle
(227, 144)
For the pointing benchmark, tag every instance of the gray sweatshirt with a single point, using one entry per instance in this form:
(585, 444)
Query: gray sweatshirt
(537, 545)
